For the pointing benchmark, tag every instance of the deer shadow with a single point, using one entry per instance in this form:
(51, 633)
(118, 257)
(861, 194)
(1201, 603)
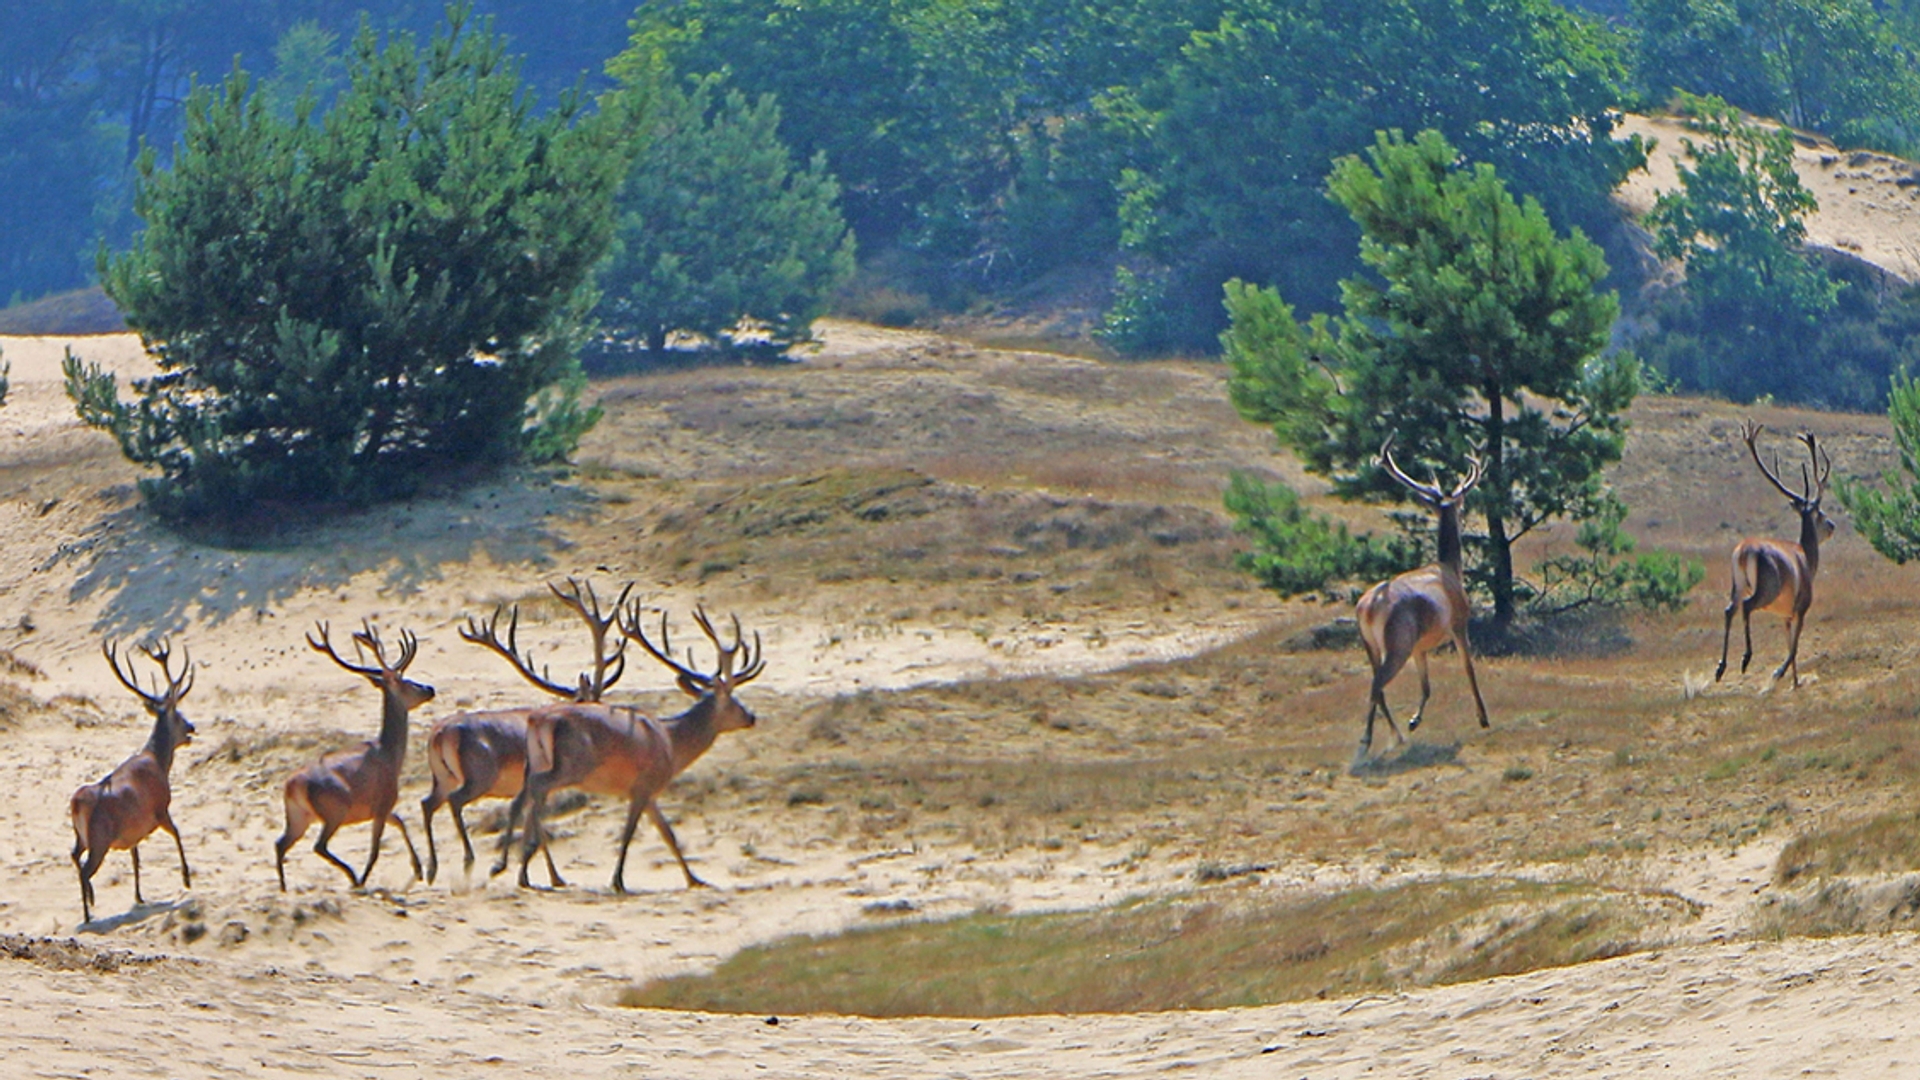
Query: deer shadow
(139, 913)
(156, 580)
(1414, 755)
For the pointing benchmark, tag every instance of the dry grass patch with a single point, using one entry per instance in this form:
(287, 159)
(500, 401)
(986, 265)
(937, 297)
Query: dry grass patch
(1889, 843)
(1200, 951)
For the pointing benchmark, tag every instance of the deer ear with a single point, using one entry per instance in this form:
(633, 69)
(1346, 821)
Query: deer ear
(690, 688)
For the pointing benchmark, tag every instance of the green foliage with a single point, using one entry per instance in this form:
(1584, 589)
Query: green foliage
(716, 226)
(1480, 333)
(342, 308)
(1611, 573)
(1890, 520)
(557, 421)
(1837, 66)
(1754, 301)
(1235, 136)
(963, 132)
(307, 65)
(60, 157)
(1299, 553)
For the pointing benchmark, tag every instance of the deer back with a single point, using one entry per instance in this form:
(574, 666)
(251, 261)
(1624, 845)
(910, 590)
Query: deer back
(600, 749)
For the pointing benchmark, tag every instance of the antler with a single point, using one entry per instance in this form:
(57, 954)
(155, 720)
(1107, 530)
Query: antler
(486, 634)
(1822, 466)
(364, 639)
(583, 601)
(634, 628)
(1750, 432)
(1432, 492)
(161, 653)
(589, 611)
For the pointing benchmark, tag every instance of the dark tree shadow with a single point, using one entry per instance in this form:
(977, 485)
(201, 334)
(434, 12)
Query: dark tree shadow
(1414, 755)
(155, 580)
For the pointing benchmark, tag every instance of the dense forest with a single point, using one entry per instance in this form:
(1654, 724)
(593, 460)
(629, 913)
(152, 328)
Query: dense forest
(979, 148)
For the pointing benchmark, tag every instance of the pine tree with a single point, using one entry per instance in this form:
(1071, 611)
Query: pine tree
(1478, 333)
(342, 307)
(716, 226)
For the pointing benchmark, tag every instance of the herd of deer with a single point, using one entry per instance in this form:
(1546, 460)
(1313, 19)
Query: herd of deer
(523, 754)
(526, 754)
(1412, 614)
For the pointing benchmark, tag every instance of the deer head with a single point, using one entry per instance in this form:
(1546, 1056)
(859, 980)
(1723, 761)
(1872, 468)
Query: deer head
(1430, 496)
(163, 704)
(387, 677)
(1813, 480)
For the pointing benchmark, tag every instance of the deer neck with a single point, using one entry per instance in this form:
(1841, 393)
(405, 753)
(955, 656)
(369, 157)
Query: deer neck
(393, 726)
(692, 732)
(1449, 542)
(1810, 539)
(160, 744)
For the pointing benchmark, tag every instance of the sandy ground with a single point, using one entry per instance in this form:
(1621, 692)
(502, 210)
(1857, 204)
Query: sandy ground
(1867, 201)
(408, 979)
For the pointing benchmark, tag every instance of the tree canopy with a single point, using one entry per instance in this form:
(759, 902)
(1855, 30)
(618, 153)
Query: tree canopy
(1477, 332)
(1240, 131)
(339, 308)
(716, 226)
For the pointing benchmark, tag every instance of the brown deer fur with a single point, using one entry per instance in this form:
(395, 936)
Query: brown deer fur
(134, 799)
(481, 755)
(619, 752)
(1774, 575)
(1414, 613)
(361, 783)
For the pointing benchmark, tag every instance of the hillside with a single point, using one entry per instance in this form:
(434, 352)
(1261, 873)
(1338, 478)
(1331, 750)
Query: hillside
(1869, 202)
(1011, 668)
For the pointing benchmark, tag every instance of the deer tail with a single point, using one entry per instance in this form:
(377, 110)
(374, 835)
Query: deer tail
(539, 745)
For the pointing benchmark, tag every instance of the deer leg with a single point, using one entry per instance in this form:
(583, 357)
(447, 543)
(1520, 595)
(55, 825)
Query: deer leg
(95, 856)
(1466, 657)
(460, 827)
(514, 810)
(186, 875)
(280, 847)
(1726, 637)
(666, 833)
(532, 829)
(1377, 703)
(1794, 623)
(86, 887)
(373, 849)
(137, 898)
(412, 854)
(327, 829)
(427, 806)
(626, 838)
(1426, 691)
(553, 874)
(1746, 628)
(300, 817)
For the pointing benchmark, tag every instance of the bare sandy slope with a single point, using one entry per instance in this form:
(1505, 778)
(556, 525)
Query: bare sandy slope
(1869, 203)
(408, 979)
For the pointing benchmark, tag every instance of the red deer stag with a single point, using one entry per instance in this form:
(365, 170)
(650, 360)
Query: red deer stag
(134, 799)
(481, 755)
(1773, 575)
(616, 751)
(362, 783)
(1415, 612)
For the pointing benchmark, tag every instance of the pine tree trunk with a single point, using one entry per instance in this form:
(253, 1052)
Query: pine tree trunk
(1496, 504)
